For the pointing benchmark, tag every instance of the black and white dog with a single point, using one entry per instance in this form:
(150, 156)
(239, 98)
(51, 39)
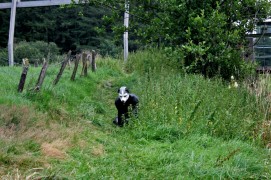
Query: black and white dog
(127, 105)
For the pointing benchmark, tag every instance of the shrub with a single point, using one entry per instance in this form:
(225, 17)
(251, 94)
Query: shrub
(212, 50)
(35, 51)
(48, 50)
(3, 57)
(108, 47)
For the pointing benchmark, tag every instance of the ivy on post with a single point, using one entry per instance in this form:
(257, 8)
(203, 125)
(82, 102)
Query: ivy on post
(42, 75)
(23, 75)
(76, 63)
(64, 63)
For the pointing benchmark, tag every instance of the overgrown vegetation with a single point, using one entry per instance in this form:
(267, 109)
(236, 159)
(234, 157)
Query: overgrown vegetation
(189, 127)
(207, 37)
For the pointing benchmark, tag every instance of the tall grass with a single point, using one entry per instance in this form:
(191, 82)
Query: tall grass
(189, 127)
(173, 104)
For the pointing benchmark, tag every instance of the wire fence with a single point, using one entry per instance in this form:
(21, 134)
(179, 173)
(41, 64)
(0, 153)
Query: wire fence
(4, 61)
(86, 58)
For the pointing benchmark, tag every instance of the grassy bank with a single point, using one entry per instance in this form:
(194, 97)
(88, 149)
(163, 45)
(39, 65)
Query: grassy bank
(188, 127)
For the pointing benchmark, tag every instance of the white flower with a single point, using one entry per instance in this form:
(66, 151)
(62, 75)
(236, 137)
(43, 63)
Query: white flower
(235, 84)
(232, 77)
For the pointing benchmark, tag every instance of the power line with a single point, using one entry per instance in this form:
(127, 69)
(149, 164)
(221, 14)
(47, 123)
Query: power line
(119, 10)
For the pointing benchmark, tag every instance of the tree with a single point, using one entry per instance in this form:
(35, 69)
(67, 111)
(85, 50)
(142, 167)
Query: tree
(4, 21)
(207, 36)
(70, 27)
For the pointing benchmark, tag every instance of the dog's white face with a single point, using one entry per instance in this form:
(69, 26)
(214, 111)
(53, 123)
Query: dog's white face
(123, 94)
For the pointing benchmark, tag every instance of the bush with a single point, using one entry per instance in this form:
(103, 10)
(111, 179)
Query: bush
(47, 49)
(35, 51)
(212, 50)
(3, 57)
(108, 47)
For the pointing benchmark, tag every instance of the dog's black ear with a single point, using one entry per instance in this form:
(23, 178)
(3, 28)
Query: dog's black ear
(127, 90)
(123, 89)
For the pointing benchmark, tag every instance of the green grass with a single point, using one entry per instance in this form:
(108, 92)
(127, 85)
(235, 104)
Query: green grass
(189, 127)
(194, 157)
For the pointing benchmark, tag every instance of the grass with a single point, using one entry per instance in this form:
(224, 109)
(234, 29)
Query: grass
(189, 127)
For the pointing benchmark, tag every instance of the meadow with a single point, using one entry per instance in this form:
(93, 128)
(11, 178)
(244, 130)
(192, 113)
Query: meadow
(189, 127)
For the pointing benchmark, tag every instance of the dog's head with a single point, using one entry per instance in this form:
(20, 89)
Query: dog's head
(123, 94)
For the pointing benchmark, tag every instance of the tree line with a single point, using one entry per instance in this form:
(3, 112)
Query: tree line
(206, 37)
(69, 27)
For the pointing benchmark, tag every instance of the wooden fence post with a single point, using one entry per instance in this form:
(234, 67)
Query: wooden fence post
(69, 63)
(89, 58)
(85, 68)
(42, 75)
(93, 62)
(23, 75)
(78, 57)
(64, 63)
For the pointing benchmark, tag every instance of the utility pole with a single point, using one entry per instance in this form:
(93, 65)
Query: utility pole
(11, 32)
(125, 35)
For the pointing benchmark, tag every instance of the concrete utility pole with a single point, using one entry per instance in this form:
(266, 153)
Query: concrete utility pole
(11, 33)
(125, 35)
(18, 3)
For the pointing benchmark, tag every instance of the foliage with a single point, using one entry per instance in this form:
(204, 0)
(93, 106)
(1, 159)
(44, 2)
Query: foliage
(35, 51)
(4, 21)
(214, 49)
(3, 57)
(70, 27)
(109, 48)
(208, 37)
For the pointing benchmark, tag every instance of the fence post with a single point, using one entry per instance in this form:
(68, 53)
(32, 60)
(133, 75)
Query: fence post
(42, 75)
(64, 63)
(78, 57)
(69, 63)
(23, 75)
(93, 62)
(85, 68)
(89, 58)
